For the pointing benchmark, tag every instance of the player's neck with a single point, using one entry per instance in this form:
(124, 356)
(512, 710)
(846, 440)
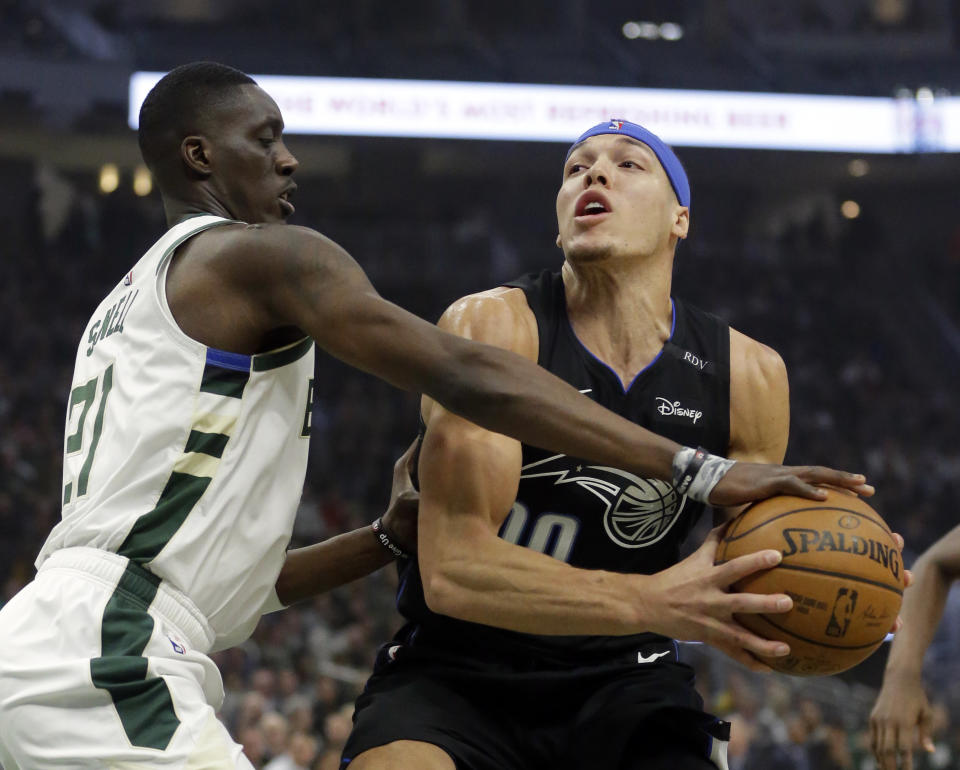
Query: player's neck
(621, 310)
(180, 208)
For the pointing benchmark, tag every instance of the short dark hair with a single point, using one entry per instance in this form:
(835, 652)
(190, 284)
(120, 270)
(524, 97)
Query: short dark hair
(174, 105)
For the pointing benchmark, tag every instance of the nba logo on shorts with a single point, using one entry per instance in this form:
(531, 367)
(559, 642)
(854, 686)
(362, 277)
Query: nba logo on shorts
(177, 648)
(843, 608)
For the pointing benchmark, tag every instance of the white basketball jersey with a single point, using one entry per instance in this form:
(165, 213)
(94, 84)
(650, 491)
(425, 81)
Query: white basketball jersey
(186, 459)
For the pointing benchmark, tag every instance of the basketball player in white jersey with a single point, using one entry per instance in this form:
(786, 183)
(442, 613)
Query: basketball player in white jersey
(186, 444)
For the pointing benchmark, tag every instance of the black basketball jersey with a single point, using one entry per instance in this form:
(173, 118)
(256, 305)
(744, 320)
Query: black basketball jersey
(592, 516)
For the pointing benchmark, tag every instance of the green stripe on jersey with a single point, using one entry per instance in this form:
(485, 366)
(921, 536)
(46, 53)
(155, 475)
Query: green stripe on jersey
(282, 357)
(223, 381)
(84, 476)
(211, 444)
(153, 530)
(144, 705)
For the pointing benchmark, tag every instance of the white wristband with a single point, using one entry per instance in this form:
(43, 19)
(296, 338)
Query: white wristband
(696, 472)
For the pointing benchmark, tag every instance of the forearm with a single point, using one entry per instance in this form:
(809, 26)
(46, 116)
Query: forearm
(492, 387)
(922, 609)
(508, 394)
(503, 585)
(321, 567)
(469, 480)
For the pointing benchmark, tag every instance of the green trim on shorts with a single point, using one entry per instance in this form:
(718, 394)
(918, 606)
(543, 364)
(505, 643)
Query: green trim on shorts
(144, 705)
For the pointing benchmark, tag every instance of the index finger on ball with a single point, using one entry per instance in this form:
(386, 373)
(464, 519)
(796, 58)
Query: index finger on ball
(794, 485)
(735, 569)
(819, 474)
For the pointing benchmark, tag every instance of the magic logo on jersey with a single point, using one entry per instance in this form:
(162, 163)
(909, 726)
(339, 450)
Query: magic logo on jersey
(637, 512)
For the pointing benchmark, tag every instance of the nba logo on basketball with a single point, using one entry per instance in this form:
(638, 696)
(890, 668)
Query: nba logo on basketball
(843, 608)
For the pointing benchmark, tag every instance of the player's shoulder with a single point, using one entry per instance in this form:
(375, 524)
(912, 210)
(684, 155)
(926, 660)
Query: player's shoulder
(256, 241)
(500, 300)
(754, 363)
(498, 316)
(257, 254)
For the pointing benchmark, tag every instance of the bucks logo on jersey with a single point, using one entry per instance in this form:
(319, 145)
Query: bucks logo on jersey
(636, 512)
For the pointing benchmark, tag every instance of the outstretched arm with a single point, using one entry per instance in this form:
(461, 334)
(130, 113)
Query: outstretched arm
(292, 276)
(469, 478)
(902, 715)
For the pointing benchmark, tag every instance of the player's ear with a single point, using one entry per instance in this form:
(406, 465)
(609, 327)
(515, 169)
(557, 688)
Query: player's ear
(195, 151)
(559, 242)
(681, 222)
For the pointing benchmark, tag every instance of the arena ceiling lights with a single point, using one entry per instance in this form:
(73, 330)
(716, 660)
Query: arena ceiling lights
(525, 112)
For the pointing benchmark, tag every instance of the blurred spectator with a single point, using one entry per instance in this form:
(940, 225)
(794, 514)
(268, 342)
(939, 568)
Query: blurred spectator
(276, 732)
(254, 747)
(300, 754)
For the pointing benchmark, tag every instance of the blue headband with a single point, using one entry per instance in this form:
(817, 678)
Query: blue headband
(669, 161)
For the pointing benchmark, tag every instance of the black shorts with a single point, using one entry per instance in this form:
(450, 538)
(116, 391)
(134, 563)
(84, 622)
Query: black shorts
(492, 717)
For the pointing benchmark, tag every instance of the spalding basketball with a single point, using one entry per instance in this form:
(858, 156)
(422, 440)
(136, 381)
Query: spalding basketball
(840, 566)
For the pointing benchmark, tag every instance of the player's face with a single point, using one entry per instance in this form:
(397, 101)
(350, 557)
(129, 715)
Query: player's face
(252, 167)
(616, 200)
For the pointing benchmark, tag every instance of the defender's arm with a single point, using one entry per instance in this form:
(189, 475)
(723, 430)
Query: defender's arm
(321, 567)
(293, 276)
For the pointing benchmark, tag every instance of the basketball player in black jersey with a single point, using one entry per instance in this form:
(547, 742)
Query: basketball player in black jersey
(561, 653)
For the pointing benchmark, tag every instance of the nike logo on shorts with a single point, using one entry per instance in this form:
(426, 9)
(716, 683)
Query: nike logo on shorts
(641, 658)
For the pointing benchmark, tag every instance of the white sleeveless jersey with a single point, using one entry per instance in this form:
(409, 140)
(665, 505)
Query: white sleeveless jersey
(186, 459)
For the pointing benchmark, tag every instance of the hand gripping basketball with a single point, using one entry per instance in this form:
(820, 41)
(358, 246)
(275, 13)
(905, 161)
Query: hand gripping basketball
(842, 567)
(746, 482)
(691, 601)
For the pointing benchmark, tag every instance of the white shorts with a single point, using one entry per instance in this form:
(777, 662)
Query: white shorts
(103, 666)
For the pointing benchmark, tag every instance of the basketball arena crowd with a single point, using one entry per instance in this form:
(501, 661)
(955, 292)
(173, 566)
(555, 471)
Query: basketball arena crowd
(863, 314)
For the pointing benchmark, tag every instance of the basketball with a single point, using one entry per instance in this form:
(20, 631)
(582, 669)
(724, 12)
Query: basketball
(840, 566)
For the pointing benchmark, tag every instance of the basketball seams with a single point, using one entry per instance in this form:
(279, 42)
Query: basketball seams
(845, 576)
(817, 643)
(881, 524)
